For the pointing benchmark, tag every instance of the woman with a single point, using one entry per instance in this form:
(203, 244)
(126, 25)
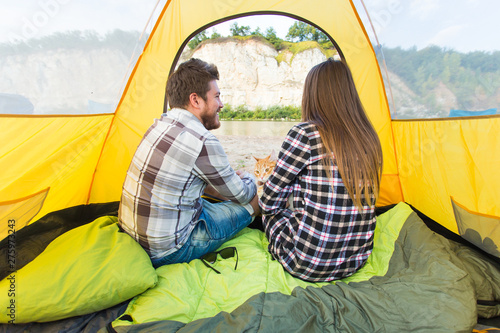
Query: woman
(331, 164)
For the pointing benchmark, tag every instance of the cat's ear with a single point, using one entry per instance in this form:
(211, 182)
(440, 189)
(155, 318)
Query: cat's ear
(257, 159)
(273, 156)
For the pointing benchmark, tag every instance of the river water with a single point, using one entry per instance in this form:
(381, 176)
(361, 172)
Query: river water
(243, 140)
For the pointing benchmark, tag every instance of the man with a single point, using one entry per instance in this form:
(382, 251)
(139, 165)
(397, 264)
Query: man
(177, 160)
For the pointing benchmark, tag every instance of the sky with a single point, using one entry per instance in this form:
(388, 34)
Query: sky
(462, 25)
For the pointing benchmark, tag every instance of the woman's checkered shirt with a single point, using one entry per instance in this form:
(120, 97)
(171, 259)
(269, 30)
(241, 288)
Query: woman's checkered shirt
(324, 237)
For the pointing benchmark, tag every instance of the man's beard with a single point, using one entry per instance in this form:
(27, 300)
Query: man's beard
(210, 121)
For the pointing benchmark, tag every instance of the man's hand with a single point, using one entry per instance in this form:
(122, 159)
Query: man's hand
(209, 190)
(255, 205)
(241, 173)
(255, 201)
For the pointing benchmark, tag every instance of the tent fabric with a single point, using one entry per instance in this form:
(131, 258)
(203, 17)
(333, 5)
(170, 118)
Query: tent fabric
(481, 230)
(20, 212)
(440, 159)
(143, 99)
(55, 152)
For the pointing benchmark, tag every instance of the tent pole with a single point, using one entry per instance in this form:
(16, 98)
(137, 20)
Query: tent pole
(383, 58)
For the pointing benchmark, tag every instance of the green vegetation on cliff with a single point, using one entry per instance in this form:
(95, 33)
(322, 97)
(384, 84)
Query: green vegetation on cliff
(241, 112)
(474, 77)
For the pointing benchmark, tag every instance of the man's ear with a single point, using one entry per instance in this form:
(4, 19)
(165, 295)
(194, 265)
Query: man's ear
(194, 100)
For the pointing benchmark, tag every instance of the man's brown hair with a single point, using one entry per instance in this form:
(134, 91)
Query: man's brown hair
(192, 76)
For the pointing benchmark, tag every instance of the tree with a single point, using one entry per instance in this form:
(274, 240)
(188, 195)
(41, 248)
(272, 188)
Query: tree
(239, 31)
(215, 35)
(272, 38)
(271, 33)
(196, 40)
(257, 32)
(301, 31)
(122, 40)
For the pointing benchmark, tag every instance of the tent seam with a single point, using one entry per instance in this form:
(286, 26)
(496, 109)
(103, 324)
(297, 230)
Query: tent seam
(385, 97)
(125, 90)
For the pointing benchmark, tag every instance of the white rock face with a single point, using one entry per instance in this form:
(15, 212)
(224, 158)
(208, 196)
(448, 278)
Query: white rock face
(250, 75)
(64, 81)
(72, 80)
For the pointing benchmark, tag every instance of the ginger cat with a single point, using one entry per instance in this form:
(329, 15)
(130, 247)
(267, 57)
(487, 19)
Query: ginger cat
(263, 169)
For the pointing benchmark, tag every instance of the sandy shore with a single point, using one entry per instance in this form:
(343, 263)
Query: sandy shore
(240, 149)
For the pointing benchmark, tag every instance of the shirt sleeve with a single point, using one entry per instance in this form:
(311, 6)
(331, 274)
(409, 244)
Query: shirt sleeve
(213, 167)
(293, 158)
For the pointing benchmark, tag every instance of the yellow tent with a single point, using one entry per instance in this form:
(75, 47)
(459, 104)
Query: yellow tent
(52, 162)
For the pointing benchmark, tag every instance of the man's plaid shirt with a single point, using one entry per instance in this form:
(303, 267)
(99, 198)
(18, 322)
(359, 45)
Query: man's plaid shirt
(324, 237)
(161, 198)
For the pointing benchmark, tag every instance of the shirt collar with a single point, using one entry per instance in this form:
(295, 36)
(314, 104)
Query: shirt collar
(178, 113)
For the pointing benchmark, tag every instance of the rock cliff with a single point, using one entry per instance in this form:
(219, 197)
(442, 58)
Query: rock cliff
(66, 81)
(252, 73)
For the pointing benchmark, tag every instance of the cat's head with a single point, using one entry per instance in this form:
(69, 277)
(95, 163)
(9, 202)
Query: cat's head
(264, 167)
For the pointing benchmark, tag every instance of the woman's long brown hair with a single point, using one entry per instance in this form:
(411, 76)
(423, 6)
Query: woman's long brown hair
(331, 102)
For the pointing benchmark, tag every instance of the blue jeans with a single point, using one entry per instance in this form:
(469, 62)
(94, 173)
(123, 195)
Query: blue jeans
(218, 223)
